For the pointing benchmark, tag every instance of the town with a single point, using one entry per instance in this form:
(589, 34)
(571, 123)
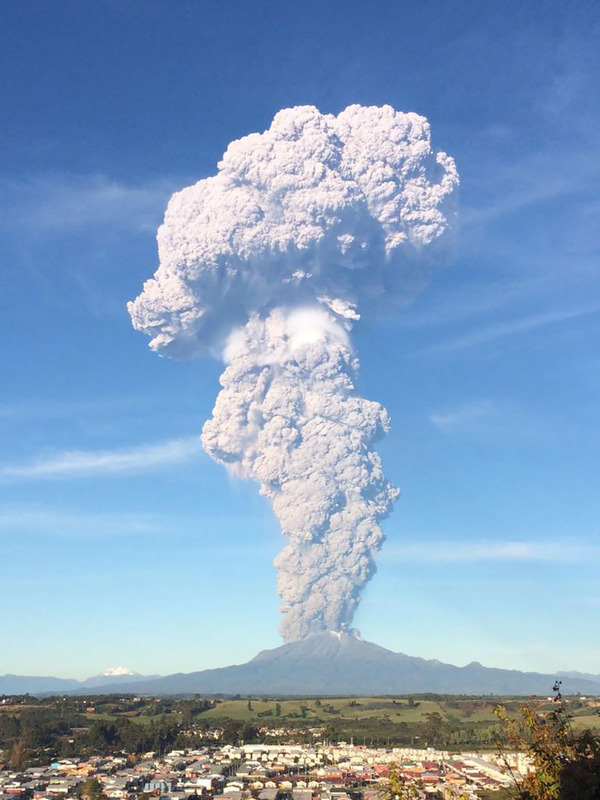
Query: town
(123, 747)
(340, 771)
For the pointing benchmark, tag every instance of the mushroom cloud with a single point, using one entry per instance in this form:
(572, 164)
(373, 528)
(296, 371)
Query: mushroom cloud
(308, 230)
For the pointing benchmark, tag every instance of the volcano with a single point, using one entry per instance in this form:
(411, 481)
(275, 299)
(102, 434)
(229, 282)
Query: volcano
(341, 663)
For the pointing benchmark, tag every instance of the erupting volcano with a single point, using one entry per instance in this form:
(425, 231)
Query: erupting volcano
(307, 230)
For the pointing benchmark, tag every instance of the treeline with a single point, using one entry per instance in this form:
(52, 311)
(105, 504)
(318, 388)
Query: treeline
(29, 739)
(25, 743)
(44, 734)
(123, 735)
(433, 731)
(38, 728)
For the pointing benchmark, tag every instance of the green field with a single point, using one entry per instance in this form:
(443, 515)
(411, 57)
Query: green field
(338, 708)
(140, 719)
(586, 721)
(370, 712)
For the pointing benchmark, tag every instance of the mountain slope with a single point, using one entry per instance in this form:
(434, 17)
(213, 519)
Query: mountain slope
(35, 684)
(583, 675)
(344, 664)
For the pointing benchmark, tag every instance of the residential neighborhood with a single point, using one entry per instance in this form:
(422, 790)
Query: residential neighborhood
(341, 771)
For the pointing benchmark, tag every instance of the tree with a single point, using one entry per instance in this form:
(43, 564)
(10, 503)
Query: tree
(18, 756)
(235, 732)
(565, 763)
(91, 789)
(436, 730)
(400, 787)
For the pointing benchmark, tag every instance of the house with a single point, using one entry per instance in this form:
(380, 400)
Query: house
(268, 794)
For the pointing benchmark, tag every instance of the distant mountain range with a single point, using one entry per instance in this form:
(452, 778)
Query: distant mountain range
(323, 664)
(22, 684)
(587, 676)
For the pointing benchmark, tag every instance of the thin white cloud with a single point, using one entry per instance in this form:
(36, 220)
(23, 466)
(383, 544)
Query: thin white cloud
(482, 550)
(562, 166)
(479, 299)
(464, 418)
(513, 328)
(57, 408)
(59, 522)
(533, 180)
(499, 422)
(60, 203)
(81, 463)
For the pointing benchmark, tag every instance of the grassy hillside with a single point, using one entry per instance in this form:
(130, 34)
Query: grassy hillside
(395, 710)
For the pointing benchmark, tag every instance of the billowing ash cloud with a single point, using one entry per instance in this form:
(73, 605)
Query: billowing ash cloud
(288, 416)
(308, 228)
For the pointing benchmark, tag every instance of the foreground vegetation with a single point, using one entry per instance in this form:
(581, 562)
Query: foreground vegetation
(566, 761)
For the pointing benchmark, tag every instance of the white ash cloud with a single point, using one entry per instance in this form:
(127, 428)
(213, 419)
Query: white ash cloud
(349, 212)
(308, 228)
(288, 417)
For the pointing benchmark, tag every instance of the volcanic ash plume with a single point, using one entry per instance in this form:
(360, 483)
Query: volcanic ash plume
(288, 417)
(308, 228)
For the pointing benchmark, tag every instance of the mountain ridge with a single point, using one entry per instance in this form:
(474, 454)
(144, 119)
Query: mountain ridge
(341, 663)
(588, 676)
(47, 684)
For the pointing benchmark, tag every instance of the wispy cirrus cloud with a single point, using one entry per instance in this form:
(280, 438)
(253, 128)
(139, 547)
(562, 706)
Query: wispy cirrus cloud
(60, 522)
(533, 180)
(69, 523)
(83, 463)
(63, 203)
(465, 417)
(53, 408)
(500, 330)
(483, 550)
(477, 299)
(501, 421)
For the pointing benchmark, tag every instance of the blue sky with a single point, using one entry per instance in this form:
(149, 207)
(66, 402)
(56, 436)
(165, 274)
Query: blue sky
(121, 543)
